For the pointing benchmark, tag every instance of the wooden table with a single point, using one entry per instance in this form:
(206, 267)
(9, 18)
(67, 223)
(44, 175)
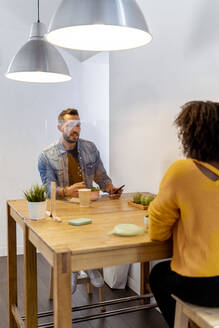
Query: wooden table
(69, 248)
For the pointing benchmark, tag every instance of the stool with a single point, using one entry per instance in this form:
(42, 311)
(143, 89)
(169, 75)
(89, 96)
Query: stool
(81, 280)
(204, 317)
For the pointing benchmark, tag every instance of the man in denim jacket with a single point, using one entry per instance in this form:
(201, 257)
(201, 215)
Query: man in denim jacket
(74, 163)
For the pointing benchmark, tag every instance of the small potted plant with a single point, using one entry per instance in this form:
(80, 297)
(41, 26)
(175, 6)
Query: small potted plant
(95, 191)
(36, 197)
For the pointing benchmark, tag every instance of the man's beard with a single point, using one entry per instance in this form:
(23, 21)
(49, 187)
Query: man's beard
(70, 140)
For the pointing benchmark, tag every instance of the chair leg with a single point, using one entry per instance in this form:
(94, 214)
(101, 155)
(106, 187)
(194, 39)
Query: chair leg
(51, 284)
(89, 288)
(102, 298)
(144, 282)
(181, 320)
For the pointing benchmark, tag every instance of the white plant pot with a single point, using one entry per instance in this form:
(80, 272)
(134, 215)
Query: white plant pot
(37, 210)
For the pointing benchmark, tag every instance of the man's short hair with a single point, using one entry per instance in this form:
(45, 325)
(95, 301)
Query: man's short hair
(69, 111)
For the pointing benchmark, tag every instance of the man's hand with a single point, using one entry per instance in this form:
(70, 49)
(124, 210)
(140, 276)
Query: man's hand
(112, 191)
(72, 191)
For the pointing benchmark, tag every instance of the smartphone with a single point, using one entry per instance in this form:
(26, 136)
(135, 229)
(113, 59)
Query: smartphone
(116, 191)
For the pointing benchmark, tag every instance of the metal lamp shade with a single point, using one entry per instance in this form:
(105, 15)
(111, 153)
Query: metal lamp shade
(98, 25)
(38, 61)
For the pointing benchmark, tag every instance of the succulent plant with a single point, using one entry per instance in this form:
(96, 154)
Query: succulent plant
(140, 198)
(147, 199)
(144, 200)
(36, 193)
(137, 198)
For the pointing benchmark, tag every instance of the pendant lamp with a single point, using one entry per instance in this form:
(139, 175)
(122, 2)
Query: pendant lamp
(38, 60)
(98, 25)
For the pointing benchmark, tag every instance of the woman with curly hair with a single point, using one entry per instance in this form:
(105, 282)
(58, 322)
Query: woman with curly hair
(187, 209)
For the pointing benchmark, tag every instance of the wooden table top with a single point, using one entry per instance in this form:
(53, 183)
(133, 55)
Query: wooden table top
(105, 214)
(90, 241)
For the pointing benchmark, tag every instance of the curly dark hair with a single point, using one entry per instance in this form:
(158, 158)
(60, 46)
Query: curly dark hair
(198, 124)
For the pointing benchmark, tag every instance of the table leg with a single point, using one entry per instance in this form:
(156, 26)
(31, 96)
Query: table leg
(62, 290)
(30, 282)
(12, 268)
(144, 278)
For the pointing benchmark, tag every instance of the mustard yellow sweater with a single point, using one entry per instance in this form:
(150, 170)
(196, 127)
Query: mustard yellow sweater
(187, 208)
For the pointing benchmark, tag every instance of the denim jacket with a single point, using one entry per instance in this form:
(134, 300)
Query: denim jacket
(53, 165)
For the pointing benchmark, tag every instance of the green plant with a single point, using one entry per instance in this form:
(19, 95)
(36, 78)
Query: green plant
(146, 199)
(95, 189)
(137, 198)
(140, 198)
(36, 193)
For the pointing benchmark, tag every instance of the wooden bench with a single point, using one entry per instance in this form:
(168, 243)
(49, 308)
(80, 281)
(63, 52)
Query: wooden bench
(204, 317)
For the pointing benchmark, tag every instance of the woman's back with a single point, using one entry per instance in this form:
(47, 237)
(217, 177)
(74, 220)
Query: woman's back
(187, 206)
(187, 209)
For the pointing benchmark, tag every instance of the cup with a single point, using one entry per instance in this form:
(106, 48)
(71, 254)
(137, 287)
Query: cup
(146, 223)
(84, 197)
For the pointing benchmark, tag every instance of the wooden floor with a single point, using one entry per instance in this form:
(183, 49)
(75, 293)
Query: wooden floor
(141, 319)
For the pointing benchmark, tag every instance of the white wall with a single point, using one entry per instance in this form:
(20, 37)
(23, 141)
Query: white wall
(28, 123)
(95, 103)
(29, 112)
(149, 84)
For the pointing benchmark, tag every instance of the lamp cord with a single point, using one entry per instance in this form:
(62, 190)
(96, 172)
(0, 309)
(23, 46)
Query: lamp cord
(38, 11)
